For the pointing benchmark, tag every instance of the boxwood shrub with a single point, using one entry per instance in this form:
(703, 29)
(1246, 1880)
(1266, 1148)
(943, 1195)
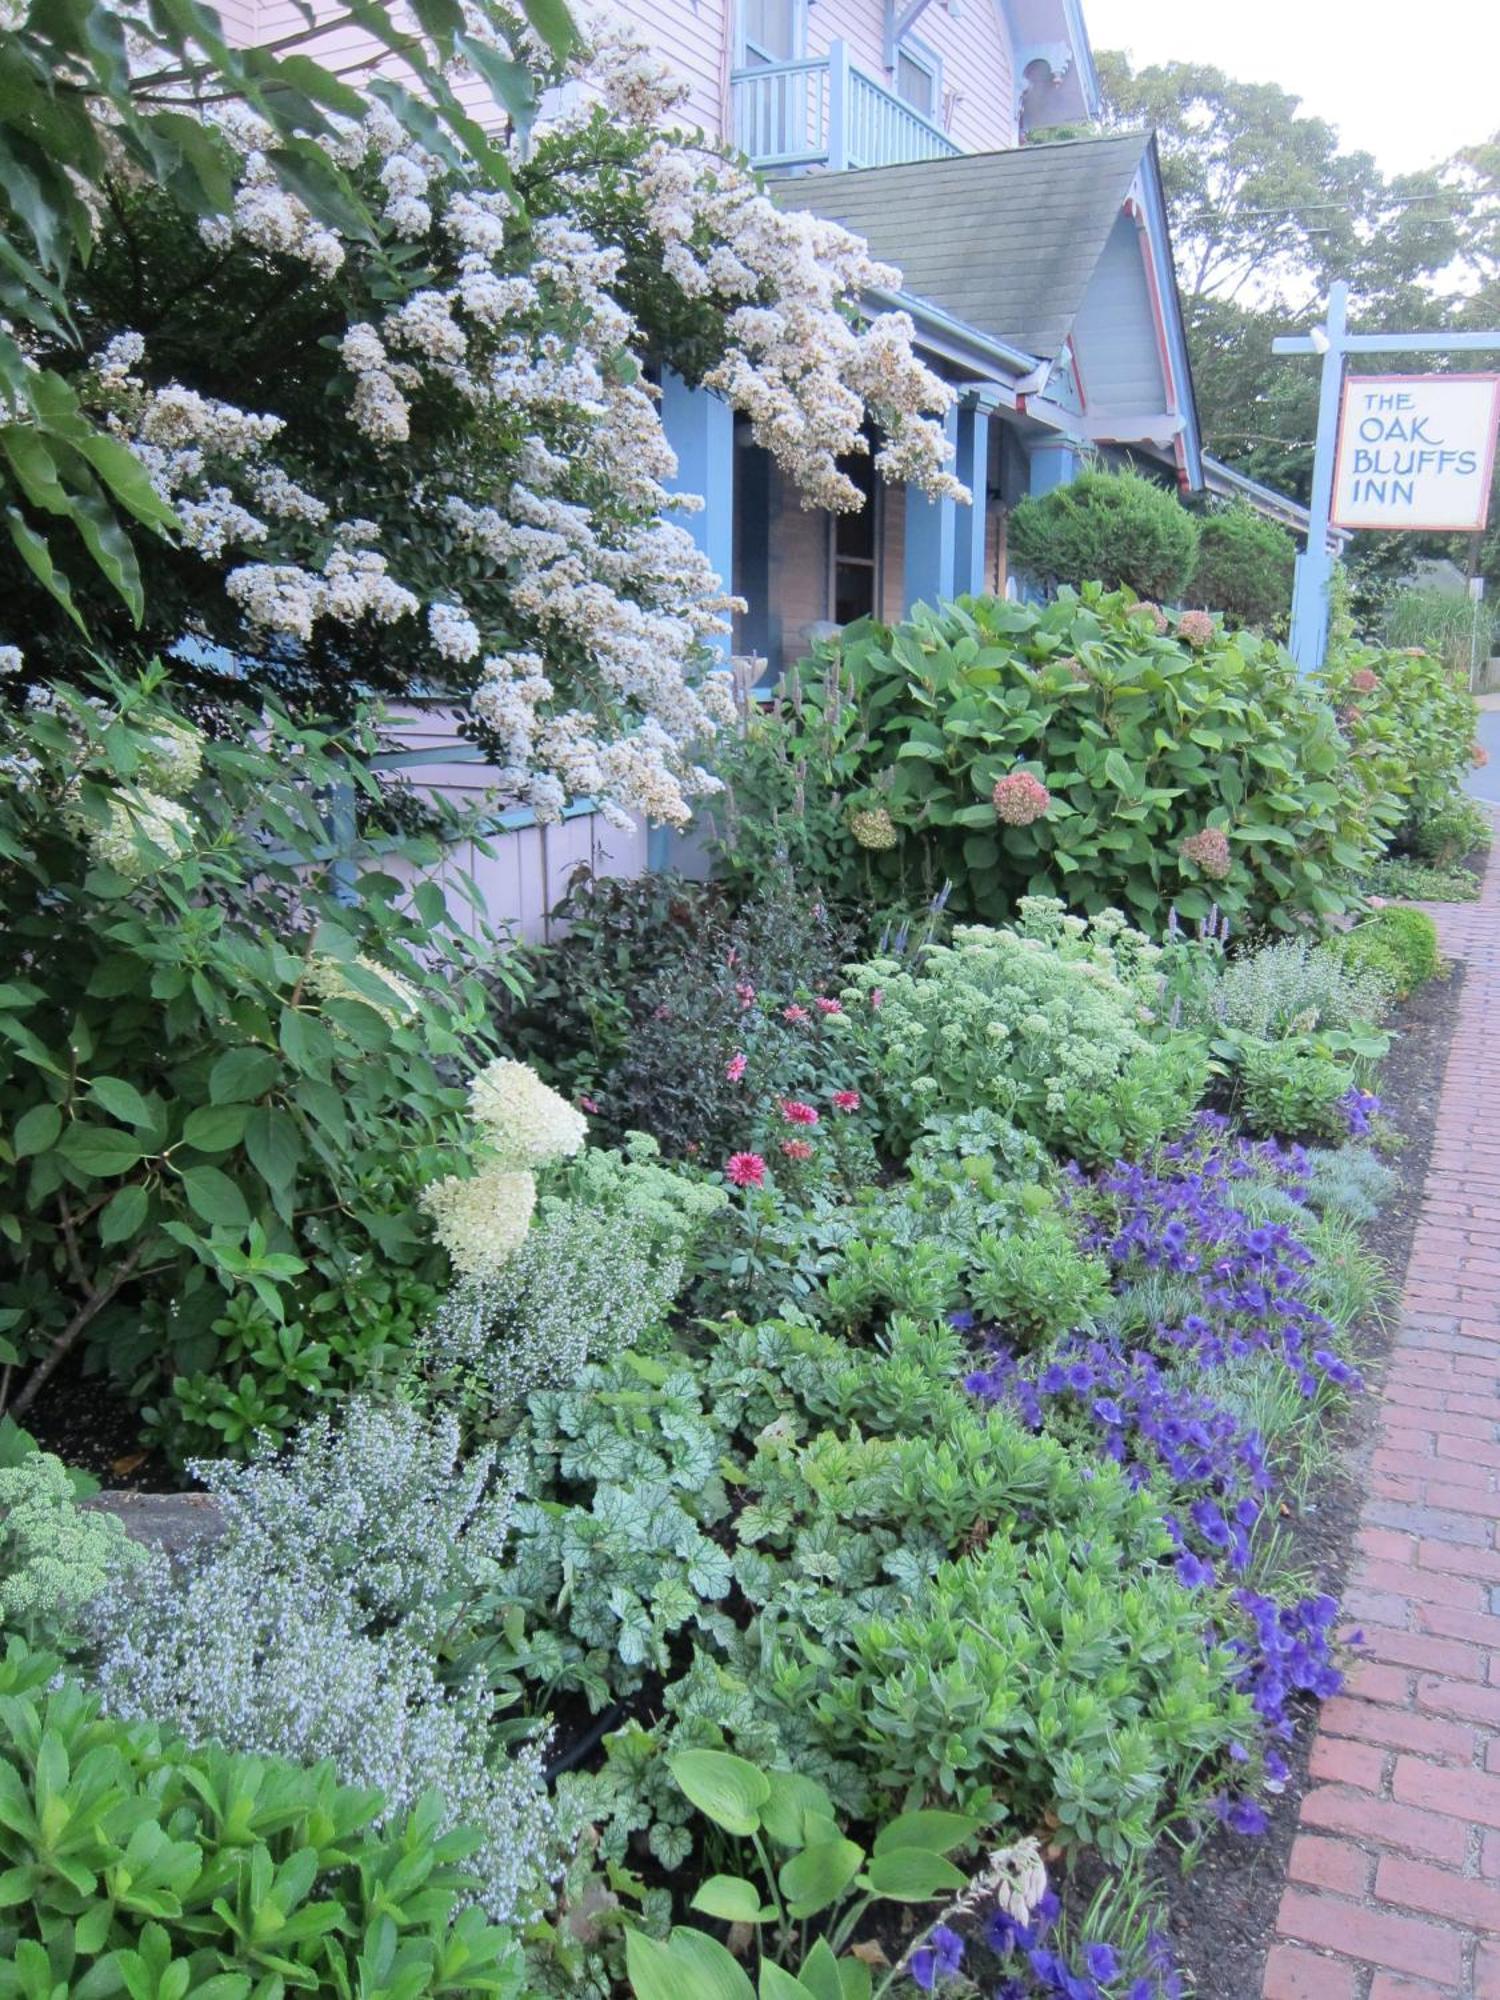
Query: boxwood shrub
(1089, 749)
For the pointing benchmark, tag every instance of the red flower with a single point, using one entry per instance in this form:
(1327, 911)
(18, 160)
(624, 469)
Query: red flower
(735, 1068)
(826, 1006)
(846, 1100)
(587, 1103)
(797, 1149)
(795, 1013)
(745, 1170)
(795, 1112)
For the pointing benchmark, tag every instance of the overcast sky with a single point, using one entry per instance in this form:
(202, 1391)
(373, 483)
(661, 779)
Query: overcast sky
(1407, 80)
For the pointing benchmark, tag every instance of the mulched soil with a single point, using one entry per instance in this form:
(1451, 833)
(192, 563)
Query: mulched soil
(90, 1424)
(1223, 1914)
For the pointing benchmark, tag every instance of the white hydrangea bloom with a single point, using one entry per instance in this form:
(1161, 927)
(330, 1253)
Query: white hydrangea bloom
(524, 1120)
(172, 757)
(327, 979)
(142, 832)
(481, 1220)
(11, 661)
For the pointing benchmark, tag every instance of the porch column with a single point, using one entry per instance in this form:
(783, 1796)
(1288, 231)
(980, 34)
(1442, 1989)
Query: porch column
(973, 468)
(700, 429)
(930, 567)
(1055, 462)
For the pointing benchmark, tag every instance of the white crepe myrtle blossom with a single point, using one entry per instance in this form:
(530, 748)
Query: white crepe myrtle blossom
(529, 557)
(524, 1121)
(481, 1219)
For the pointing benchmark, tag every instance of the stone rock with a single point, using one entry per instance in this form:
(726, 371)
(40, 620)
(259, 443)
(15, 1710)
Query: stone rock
(177, 1523)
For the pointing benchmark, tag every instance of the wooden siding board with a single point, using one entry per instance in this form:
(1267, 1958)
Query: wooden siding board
(1116, 332)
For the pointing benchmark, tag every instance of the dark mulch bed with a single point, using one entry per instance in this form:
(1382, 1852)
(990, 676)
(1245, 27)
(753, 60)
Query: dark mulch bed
(90, 1424)
(1223, 1914)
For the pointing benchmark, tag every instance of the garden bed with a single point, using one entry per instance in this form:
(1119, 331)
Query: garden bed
(1223, 1914)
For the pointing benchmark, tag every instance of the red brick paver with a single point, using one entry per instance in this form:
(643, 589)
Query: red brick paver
(1394, 1881)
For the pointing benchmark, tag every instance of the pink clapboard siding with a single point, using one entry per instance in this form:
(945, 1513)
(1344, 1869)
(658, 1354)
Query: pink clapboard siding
(978, 90)
(520, 873)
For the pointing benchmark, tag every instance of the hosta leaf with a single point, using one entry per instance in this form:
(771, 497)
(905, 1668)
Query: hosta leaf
(726, 1789)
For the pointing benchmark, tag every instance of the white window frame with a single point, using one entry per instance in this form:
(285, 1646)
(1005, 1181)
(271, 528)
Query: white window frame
(742, 44)
(927, 58)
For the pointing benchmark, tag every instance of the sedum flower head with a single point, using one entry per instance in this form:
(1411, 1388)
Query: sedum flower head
(1019, 799)
(525, 1121)
(874, 829)
(481, 1221)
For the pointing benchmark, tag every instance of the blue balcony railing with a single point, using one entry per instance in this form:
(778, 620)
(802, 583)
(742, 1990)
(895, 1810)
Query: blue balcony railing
(825, 111)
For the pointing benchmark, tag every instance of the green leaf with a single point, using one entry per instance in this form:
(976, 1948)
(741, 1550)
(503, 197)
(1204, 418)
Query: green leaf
(123, 1214)
(936, 1832)
(37, 557)
(213, 1196)
(215, 1128)
(815, 1879)
(911, 1875)
(99, 1150)
(792, 1797)
(854, 1977)
(274, 1144)
(726, 1789)
(553, 23)
(700, 1970)
(242, 1074)
(776, 1983)
(819, 1973)
(730, 1898)
(121, 1100)
(36, 1130)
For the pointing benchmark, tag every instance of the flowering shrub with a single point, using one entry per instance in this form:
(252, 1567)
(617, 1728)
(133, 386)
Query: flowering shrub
(405, 438)
(222, 1072)
(1070, 749)
(1410, 721)
(1042, 1023)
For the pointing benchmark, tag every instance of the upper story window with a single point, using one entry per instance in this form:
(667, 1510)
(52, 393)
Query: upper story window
(919, 79)
(771, 31)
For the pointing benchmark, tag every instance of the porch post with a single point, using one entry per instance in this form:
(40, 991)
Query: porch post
(700, 429)
(973, 468)
(1054, 462)
(930, 566)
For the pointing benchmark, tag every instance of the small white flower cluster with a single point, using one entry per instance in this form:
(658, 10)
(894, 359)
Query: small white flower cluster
(171, 757)
(481, 1219)
(11, 662)
(454, 633)
(310, 1630)
(141, 833)
(327, 978)
(524, 1121)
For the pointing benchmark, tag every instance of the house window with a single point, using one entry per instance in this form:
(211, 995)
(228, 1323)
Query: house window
(919, 79)
(771, 31)
(856, 546)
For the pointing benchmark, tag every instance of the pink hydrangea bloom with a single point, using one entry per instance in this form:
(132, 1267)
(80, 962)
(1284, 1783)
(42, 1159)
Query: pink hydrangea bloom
(1365, 681)
(846, 1100)
(1020, 798)
(797, 1149)
(736, 1066)
(745, 1170)
(1479, 756)
(796, 1112)
(1196, 628)
(1209, 850)
(1146, 609)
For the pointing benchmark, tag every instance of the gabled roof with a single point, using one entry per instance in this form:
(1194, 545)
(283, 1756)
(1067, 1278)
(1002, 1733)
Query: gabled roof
(1006, 242)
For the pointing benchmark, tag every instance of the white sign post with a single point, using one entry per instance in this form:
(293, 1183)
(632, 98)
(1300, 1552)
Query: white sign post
(1416, 451)
(1395, 486)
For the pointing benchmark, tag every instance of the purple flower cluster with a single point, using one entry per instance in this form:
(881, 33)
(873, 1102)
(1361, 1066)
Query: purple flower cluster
(939, 1958)
(1251, 1278)
(1148, 1424)
(1291, 1653)
(1034, 1964)
(1360, 1108)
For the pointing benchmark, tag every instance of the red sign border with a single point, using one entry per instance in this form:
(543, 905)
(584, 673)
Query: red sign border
(1427, 528)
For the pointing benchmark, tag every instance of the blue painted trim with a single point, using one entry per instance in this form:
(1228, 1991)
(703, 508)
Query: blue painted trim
(1052, 462)
(931, 553)
(700, 429)
(973, 468)
(1159, 235)
(955, 338)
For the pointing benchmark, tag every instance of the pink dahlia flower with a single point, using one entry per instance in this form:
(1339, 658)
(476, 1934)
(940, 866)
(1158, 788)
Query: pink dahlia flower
(796, 1112)
(826, 1006)
(846, 1100)
(794, 1013)
(745, 1170)
(736, 1066)
(797, 1149)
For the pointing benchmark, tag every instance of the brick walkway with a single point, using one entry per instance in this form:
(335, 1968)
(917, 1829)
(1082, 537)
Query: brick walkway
(1394, 1885)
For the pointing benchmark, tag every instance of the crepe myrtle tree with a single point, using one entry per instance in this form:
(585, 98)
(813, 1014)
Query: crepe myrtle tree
(417, 446)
